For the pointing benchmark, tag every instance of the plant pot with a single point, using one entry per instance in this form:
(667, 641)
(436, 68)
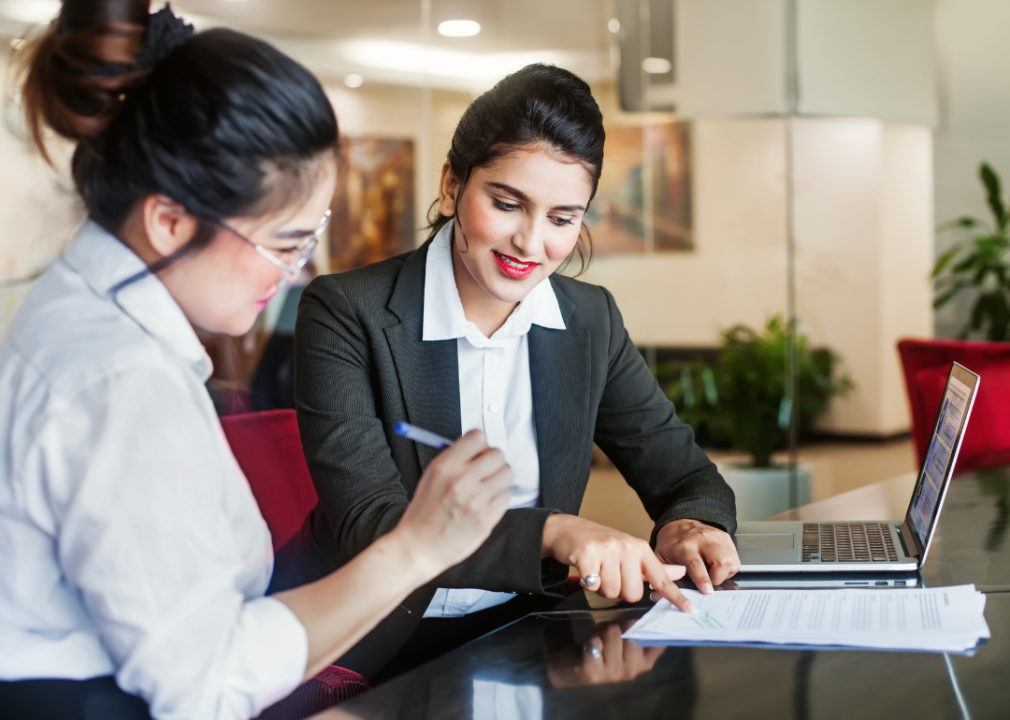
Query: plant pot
(763, 492)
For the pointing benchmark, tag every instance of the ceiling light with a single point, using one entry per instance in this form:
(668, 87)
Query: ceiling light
(656, 65)
(353, 80)
(470, 71)
(614, 25)
(458, 28)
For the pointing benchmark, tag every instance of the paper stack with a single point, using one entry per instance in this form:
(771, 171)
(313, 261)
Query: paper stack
(946, 619)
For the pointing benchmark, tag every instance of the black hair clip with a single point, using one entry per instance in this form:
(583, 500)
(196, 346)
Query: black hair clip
(166, 31)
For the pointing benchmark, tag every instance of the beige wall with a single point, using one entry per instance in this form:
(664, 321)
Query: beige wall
(38, 209)
(864, 247)
(738, 271)
(973, 60)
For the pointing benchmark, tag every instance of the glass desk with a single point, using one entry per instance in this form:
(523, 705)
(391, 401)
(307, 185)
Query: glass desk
(571, 662)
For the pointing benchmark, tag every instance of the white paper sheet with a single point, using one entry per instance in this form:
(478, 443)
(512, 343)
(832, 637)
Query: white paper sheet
(946, 619)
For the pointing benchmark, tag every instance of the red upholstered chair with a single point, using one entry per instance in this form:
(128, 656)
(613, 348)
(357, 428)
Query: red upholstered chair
(926, 364)
(330, 687)
(268, 448)
(269, 451)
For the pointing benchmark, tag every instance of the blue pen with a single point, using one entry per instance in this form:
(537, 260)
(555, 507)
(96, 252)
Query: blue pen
(420, 435)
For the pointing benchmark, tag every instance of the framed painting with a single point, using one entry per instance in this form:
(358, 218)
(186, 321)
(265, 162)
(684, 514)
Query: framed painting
(373, 207)
(616, 217)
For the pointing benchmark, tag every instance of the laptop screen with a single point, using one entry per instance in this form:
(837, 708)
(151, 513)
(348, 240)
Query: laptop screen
(942, 450)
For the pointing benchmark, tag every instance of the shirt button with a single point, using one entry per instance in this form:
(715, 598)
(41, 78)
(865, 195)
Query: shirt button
(493, 408)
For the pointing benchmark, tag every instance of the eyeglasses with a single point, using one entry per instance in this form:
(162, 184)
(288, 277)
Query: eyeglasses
(302, 253)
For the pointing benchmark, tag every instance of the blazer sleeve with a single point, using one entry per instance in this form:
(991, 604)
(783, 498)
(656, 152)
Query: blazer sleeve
(361, 490)
(638, 429)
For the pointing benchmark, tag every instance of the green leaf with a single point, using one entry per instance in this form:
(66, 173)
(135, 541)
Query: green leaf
(964, 222)
(973, 262)
(946, 297)
(994, 192)
(944, 260)
(978, 312)
(999, 318)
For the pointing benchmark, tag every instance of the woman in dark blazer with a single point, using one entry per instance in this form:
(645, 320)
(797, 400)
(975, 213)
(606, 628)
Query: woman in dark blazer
(476, 329)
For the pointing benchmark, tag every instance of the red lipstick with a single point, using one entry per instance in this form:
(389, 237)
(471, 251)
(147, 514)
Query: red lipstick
(513, 267)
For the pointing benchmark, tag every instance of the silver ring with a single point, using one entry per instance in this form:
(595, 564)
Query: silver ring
(593, 651)
(589, 581)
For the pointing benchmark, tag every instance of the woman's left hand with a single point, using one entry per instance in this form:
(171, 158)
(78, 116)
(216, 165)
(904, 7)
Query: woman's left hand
(708, 553)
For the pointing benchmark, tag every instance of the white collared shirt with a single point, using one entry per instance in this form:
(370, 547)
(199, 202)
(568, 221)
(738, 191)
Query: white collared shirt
(495, 392)
(130, 541)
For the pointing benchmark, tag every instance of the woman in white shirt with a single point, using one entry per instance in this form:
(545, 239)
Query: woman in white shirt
(130, 542)
(476, 329)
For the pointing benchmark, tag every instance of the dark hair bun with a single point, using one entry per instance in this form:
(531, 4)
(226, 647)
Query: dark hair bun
(165, 32)
(80, 68)
(220, 122)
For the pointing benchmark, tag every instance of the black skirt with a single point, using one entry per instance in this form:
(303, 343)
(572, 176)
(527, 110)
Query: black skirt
(95, 699)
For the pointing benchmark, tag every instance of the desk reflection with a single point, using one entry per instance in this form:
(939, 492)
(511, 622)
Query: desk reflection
(604, 658)
(571, 664)
(993, 483)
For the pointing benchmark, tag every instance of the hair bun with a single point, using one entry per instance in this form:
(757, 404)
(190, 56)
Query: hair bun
(78, 72)
(166, 31)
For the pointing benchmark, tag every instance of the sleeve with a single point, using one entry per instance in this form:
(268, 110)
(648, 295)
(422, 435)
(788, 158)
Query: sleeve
(638, 429)
(361, 491)
(136, 481)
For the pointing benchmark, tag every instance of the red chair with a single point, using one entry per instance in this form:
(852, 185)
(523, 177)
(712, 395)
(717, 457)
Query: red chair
(268, 448)
(926, 364)
(332, 686)
(269, 451)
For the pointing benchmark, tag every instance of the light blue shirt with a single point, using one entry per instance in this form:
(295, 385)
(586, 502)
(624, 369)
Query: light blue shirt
(130, 541)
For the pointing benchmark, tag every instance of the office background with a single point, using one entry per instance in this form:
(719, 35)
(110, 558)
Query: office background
(887, 133)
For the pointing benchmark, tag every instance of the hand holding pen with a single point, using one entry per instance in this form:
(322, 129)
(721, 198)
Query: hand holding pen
(420, 435)
(461, 497)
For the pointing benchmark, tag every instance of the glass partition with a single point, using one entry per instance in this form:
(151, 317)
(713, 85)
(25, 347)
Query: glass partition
(765, 230)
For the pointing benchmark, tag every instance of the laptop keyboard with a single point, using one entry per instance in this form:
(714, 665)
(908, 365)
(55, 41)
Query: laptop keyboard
(848, 542)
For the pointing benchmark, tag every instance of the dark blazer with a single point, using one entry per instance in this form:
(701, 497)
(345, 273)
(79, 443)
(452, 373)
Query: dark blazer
(361, 367)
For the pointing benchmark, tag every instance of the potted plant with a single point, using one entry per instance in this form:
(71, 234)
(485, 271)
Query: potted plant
(979, 264)
(741, 402)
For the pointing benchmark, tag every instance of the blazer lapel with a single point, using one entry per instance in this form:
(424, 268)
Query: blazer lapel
(560, 377)
(428, 371)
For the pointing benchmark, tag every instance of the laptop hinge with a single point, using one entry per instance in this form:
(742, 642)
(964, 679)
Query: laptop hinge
(904, 545)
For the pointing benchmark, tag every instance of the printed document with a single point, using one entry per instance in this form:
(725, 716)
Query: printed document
(948, 619)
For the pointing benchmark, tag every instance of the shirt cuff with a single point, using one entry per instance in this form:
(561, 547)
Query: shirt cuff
(275, 654)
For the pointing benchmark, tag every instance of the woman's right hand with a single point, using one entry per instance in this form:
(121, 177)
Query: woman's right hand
(604, 658)
(461, 497)
(621, 563)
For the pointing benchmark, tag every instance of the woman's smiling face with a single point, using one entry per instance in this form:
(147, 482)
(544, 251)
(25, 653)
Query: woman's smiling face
(520, 217)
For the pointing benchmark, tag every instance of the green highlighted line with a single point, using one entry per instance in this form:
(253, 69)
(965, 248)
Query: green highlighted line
(707, 623)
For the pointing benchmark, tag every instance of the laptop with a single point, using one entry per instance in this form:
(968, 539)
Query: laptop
(871, 546)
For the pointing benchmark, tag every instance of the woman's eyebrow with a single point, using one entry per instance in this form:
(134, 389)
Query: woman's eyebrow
(522, 196)
(292, 234)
